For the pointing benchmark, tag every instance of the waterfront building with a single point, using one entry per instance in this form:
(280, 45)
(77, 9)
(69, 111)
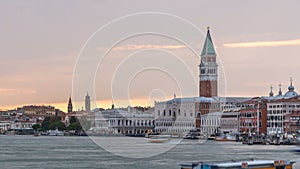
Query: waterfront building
(175, 116)
(280, 107)
(229, 122)
(228, 104)
(120, 121)
(4, 126)
(210, 123)
(22, 124)
(292, 122)
(278, 110)
(249, 122)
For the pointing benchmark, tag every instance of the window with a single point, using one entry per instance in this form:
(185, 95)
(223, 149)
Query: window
(158, 113)
(202, 71)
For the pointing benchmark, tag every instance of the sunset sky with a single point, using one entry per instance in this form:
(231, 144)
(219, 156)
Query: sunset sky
(257, 42)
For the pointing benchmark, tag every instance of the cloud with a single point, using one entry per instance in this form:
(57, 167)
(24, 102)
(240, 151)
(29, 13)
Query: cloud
(10, 91)
(142, 46)
(6, 90)
(295, 42)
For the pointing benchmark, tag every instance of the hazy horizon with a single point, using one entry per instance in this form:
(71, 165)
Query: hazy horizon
(257, 43)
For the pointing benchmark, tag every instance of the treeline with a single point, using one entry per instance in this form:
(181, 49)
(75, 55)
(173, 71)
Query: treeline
(54, 122)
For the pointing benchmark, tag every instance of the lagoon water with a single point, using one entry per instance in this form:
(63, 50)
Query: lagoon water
(81, 152)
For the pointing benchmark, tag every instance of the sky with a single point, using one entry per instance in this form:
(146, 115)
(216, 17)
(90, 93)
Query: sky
(44, 43)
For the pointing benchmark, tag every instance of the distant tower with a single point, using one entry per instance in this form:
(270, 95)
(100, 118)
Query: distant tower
(87, 103)
(208, 68)
(280, 92)
(113, 106)
(271, 94)
(70, 106)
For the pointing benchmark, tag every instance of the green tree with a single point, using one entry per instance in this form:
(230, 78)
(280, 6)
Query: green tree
(37, 127)
(54, 119)
(73, 119)
(74, 126)
(46, 123)
(57, 125)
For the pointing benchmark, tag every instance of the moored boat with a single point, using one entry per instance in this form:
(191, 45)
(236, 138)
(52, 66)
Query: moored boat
(36, 134)
(225, 137)
(56, 133)
(253, 164)
(159, 138)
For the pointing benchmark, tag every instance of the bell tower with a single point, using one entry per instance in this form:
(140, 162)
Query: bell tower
(208, 69)
(70, 106)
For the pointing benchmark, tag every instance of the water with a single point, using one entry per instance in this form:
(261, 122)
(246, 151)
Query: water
(81, 152)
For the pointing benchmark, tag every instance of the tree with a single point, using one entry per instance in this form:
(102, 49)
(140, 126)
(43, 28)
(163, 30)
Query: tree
(73, 119)
(74, 126)
(37, 127)
(54, 119)
(57, 125)
(53, 122)
(46, 123)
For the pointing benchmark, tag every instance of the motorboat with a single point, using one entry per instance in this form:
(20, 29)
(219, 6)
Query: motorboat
(225, 137)
(159, 138)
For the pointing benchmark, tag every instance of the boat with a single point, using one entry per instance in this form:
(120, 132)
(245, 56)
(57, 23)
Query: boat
(159, 138)
(56, 133)
(192, 135)
(253, 164)
(225, 137)
(211, 137)
(36, 134)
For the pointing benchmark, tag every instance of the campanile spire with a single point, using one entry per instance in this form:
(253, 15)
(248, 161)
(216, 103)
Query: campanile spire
(208, 68)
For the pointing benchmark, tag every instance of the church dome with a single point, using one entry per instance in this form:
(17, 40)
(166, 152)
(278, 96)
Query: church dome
(291, 92)
(291, 87)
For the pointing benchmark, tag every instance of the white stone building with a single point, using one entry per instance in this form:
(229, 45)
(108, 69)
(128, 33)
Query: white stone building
(175, 116)
(279, 107)
(210, 123)
(120, 121)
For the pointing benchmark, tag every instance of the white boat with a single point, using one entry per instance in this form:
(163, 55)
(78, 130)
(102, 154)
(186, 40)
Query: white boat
(225, 137)
(159, 138)
(56, 133)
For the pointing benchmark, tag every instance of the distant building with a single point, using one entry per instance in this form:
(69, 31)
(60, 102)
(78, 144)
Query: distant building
(278, 110)
(210, 123)
(38, 110)
(87, 103)
(120, 121)
(292, 122)
(70, 106)
(249, 120)
(229, 122)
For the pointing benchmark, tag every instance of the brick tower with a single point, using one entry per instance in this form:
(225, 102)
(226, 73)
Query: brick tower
(208, 68)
